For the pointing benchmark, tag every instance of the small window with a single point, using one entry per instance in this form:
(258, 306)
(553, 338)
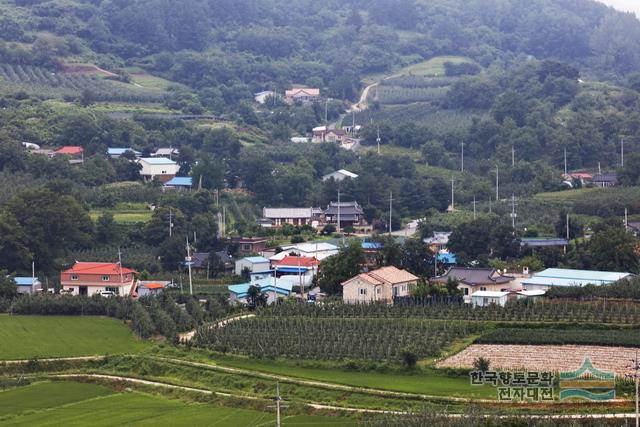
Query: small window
(378, 291)
(482, 288)
(74, 277)
(363, 291)
(466, 291)
(105, 278)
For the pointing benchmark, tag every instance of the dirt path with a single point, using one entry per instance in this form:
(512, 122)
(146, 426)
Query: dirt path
(312, 404)
(362, 103)
(188, 336)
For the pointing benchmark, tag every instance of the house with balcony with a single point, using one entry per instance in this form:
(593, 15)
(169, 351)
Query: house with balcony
(90, 278)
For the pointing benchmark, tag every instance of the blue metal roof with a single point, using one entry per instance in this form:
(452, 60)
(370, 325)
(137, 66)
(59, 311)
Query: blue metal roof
(265, 285)
(115, 151)
(26, 281)
(292, 269)
(158, 161)
(447, 258)
(371, 245)
(180, 181)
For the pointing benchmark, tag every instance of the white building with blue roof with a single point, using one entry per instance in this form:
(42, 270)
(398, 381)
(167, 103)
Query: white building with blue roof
(179, 183)
(551, 277)
(273, 287)
(28, 285)
(254, 264)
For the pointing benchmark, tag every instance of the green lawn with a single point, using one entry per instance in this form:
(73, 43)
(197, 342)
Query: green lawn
(128, 213)
(47, 395)
(23, 337)
(432, 67)
(102, 407)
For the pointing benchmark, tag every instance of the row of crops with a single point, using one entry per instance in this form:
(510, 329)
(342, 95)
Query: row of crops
(619, 337)
(405, 95)
(418, 81)
(543, 311)
(335, 338)
(43, 82)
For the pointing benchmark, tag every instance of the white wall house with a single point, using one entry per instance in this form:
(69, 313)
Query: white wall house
(486, 298)
(159, 168)
(255, 264)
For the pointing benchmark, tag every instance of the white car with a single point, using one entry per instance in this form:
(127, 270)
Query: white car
(107, 294)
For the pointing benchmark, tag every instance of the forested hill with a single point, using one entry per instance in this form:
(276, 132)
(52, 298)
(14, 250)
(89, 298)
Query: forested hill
(235, 47)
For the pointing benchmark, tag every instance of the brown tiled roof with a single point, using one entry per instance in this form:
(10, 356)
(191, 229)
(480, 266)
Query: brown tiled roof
(392, 275)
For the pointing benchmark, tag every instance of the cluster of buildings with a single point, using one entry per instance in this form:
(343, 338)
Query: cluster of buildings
(96, 278)
(341, 214)
(602, 180)
(301, 95)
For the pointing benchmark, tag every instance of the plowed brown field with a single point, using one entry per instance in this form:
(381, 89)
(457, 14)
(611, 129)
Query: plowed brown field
(552, 358)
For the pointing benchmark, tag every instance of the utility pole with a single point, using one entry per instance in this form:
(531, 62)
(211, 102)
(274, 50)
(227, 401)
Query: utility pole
(474, 207)
(453, 203)
(170, 222)
(513, 211)
(188, 259)
(622, 152)
(599, 169)
(390, 210)
(513, 156)
(490, 212)
(626, 218)
(378, 140)
(224, 221)
(497, 183)
(635, 367)
(338, 211)
(278, 405)
(119, 265)
(568, 229)
(462, 157)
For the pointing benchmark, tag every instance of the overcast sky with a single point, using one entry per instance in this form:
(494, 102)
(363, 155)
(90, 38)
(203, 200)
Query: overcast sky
(624, 5)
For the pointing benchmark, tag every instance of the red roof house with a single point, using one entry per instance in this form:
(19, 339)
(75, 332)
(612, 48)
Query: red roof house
(89, 278)
(297, 261)
(70, 150)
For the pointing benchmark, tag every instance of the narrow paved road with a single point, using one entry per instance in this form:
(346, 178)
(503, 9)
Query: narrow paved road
(188, 336)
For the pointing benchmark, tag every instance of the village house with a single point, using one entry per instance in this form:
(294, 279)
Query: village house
(317, 250)
(273, 288)
(249, 245)
(324, 134)
(439, 241)
(151, 287)
(74, 153)
(261, 97)
(28, 285)
(167, 153)
(159, 168)
(303, 268)
(351, 214)
(605, 180)
(378, 286)
(116, 153)
(302, 95)
(180, 183)
(486, 298)
(340, 175)
(293, 216)
(472, 280)
(90, 278)
(253, 264)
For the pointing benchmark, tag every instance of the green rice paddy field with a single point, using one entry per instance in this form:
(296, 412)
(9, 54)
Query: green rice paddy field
(76, 404)
(25, 337)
